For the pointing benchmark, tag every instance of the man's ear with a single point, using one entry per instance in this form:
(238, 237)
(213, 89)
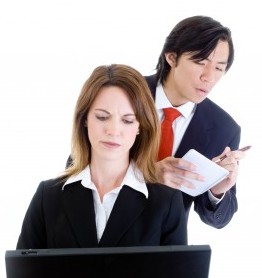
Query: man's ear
(171, 59)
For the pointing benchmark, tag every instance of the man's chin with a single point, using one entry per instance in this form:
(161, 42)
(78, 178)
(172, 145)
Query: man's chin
(198, 100)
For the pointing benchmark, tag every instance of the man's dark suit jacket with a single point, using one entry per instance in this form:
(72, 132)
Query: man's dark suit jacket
(209, 132)
(59, 218)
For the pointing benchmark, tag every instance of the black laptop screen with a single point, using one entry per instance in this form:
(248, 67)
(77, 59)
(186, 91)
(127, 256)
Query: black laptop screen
(159, 261)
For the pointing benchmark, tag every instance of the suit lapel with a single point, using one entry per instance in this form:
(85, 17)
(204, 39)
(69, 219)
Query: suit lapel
(79, 207)
(127, 208)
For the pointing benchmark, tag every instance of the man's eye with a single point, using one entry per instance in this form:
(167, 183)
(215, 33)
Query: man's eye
(200, 63)
(220, 69)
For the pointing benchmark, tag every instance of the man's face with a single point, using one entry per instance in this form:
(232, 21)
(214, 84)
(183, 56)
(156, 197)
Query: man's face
(189, 80)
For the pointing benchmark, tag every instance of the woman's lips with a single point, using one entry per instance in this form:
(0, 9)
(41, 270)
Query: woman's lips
(110, 144)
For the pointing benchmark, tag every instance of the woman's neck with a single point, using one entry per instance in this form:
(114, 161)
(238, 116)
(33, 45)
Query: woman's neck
(107, 175)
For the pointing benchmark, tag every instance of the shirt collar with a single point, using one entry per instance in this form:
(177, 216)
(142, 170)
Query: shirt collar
(133, 179)
(162, 102)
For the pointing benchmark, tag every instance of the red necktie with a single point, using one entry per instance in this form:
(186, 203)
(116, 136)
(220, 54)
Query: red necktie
(167, 136)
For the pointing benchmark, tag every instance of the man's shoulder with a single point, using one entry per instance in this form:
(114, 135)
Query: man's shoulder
(152, 83)
(152, 79)
(212, 110)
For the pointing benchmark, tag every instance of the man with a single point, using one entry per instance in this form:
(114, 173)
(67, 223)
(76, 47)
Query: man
(196, 54)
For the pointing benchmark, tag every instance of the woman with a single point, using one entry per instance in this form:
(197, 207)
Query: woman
(108, 196)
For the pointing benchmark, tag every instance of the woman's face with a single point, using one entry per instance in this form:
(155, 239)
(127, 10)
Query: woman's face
(112, 124)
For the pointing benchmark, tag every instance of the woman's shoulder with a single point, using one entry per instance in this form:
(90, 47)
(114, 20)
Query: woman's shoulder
(58, 185)
(160, 195)
(162, 189)
(50, 185)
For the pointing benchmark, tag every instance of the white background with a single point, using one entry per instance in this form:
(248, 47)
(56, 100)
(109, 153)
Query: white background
(48, 49)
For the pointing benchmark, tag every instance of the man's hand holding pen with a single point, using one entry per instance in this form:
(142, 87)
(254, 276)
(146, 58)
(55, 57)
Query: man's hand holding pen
(230, 161)
(227, 153)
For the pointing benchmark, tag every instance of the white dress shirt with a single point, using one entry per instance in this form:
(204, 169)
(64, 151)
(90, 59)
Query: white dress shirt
(133, 179)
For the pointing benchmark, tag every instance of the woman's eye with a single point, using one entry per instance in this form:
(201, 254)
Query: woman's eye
(101, 118)
(128, 121)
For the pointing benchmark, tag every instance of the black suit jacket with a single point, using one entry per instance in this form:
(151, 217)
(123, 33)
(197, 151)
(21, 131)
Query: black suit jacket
(209, 132)
(59, 218)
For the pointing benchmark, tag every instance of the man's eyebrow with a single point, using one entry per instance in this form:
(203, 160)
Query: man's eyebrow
(221, 63)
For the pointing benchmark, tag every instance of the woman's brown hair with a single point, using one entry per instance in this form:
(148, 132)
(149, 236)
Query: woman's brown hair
(144, 150)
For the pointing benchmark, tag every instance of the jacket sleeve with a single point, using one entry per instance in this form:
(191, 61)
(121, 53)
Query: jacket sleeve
(220, 215)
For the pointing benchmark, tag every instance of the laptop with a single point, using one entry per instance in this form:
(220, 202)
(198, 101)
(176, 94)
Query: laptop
(176, 261)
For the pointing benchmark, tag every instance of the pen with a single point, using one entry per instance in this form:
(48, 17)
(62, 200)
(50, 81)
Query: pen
(224, 156)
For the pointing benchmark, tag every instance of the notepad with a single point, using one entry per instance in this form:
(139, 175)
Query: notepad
(212, 172)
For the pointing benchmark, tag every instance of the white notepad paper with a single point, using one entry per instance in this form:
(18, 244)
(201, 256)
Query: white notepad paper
(212, 172)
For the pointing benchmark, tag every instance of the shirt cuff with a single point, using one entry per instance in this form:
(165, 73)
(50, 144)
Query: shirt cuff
(214, 200)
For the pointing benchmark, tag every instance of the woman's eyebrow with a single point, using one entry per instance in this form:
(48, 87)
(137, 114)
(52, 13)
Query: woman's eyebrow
(129, 114)
(101, 110)
(105, 111)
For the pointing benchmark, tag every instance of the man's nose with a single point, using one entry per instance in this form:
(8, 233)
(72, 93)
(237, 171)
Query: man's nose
(208, 75)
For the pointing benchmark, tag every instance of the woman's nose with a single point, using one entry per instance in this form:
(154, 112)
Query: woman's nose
(113, 128)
